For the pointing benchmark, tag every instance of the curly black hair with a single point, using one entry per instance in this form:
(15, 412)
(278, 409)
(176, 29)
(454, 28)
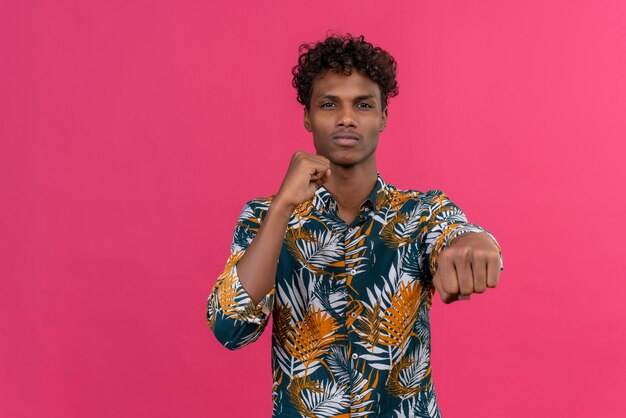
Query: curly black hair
(341, 53)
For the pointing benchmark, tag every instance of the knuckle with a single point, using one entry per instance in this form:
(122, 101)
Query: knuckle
(324, 162)
(496, 281)
(456, 253)
(446, 255)
(480, 254)
(448, 287)
(465, 252)
(465, 292)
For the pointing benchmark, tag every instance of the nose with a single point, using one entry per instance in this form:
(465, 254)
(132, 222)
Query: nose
(346, 118)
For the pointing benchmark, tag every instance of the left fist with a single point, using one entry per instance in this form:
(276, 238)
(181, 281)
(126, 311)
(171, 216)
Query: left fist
(469, 264)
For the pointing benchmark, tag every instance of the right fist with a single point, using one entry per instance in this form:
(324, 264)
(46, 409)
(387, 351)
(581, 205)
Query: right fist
(306, 173)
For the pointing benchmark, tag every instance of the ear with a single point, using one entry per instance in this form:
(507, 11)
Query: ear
(307, 121)
(383, 119)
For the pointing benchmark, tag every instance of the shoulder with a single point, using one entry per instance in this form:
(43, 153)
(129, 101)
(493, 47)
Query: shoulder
(256, 208)
(413, 196)
(261, 203)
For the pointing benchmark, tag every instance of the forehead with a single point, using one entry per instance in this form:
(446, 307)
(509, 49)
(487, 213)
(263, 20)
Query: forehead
(337, 84)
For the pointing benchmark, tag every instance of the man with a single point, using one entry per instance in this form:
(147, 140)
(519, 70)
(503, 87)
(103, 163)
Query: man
(345, 263)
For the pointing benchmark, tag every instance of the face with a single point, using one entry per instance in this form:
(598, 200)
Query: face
(345, 117)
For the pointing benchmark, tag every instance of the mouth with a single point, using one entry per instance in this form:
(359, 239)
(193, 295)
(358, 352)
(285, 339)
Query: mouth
(345, 139)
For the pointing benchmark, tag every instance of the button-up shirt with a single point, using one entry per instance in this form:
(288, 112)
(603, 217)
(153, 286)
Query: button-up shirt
(350, 303)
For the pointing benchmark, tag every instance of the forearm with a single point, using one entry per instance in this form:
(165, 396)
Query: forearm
(257, 267)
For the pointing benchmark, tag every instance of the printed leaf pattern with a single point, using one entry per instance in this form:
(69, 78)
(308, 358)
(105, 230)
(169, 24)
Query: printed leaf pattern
(350, 305)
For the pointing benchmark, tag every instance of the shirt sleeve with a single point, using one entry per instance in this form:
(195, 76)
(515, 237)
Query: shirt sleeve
(446, 222)
(232, 316)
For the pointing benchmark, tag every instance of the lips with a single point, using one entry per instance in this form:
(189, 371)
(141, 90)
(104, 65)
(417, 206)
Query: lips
(345, 139)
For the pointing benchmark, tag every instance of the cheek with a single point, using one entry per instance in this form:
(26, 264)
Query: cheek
(320, 131)
(317, 142)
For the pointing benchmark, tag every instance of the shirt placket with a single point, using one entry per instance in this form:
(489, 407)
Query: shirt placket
(352, 307)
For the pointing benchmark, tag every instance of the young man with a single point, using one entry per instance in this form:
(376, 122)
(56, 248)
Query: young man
(345, 263)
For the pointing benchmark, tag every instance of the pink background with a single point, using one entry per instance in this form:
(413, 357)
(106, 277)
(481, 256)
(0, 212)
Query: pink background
(132, 133)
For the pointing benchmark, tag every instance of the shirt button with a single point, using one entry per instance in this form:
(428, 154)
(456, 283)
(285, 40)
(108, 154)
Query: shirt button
(353, 314)
(358, 397)
(355, 356)
(353, 272)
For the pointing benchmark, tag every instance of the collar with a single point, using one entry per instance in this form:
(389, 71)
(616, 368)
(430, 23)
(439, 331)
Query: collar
(377, 199)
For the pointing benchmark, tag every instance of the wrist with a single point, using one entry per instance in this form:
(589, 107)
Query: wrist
(282, 207)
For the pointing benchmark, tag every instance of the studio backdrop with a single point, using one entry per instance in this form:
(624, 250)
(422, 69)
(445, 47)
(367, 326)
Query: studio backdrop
(133, 132)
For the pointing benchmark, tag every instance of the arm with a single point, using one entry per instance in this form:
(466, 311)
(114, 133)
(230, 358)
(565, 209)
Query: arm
(240, 304)
(476, 258)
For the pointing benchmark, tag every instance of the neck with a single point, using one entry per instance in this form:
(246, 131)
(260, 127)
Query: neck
(350, 186)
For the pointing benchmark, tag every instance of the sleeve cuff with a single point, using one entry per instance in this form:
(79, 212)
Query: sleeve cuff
(243, 308)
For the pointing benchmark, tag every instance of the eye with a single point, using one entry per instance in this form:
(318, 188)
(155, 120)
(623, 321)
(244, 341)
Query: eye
(367, 105)
(327, 103)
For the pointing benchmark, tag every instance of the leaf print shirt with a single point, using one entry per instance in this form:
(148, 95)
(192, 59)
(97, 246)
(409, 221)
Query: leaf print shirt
(350, 303)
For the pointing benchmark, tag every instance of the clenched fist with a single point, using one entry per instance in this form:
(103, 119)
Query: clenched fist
(470, 264)
(306, 173)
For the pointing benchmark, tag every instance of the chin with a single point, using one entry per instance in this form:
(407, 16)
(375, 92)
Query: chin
(345, 162)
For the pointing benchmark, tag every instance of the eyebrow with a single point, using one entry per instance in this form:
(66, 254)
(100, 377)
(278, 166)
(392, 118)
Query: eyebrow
(331, 97)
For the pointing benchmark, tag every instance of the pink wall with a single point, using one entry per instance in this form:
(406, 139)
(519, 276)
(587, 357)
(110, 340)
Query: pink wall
(132, 133)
